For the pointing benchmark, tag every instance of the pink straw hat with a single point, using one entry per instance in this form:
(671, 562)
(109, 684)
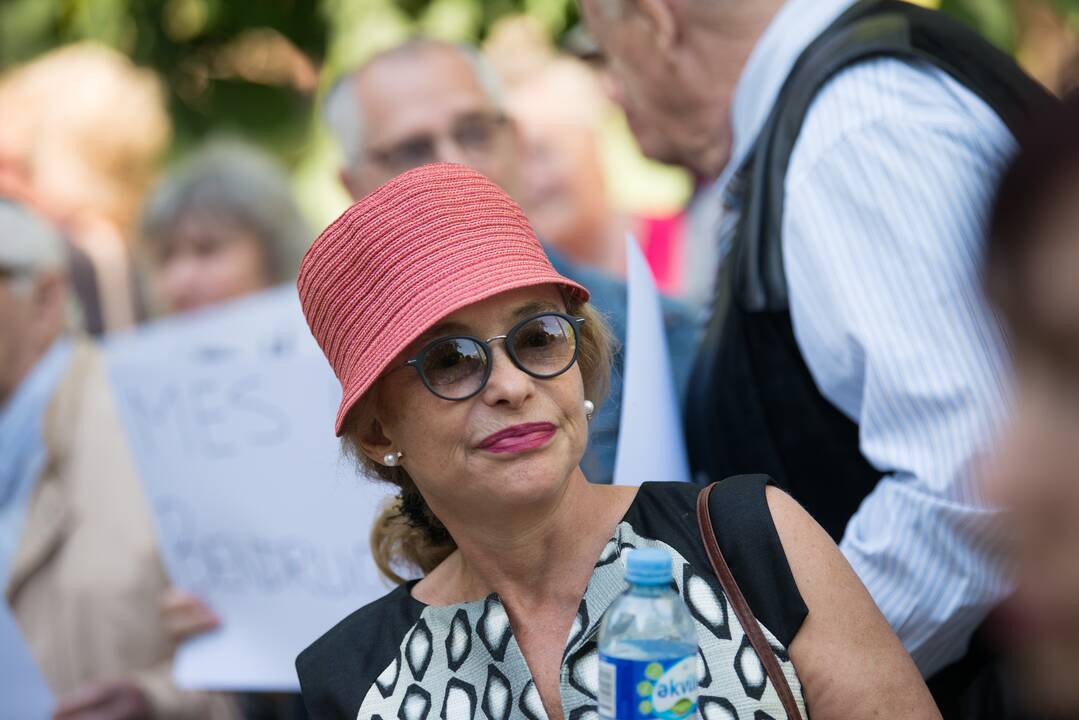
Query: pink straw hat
(427, 243)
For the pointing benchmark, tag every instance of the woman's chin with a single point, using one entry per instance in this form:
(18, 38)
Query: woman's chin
(530, 479)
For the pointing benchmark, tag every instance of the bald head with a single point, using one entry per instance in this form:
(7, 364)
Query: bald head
(421, 102)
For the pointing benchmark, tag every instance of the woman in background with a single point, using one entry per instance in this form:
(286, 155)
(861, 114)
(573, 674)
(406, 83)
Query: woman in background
(222, 225)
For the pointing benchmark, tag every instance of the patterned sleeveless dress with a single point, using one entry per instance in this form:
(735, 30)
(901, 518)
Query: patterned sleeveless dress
(400, 659)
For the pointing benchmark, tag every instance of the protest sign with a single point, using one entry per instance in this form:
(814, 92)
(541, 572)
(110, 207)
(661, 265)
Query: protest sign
(650, 441)
(257, 511)
(268, 324)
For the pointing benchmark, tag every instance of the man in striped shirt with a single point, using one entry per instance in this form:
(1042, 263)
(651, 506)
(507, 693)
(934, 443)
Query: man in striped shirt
(869, 377)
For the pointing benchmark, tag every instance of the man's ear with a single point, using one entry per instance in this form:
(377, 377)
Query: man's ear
(660, 16)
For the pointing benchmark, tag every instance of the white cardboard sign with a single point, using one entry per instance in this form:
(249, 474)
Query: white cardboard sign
(650, 441)
(257, 511)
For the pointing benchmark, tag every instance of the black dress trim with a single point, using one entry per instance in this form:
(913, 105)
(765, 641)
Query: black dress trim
(747, 535)
(338, 669)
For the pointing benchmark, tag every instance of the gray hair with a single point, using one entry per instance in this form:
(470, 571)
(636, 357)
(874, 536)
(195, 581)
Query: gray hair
(28, 244)
(341, 108)
(237, 183)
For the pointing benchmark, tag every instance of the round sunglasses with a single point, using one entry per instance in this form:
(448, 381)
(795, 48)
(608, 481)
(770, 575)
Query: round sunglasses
(457, 368)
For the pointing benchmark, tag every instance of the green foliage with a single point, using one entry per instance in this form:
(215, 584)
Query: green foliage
(250, 67)
(557, 15)
(998, 19)
(1069, 7)
(202, 50)
(994, 18)
(217, 58)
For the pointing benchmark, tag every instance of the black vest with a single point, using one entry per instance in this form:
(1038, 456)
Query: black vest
(753, 406)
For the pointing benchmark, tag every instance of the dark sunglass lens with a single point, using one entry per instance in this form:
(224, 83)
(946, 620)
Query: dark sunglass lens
(455, 368)
(545, 345)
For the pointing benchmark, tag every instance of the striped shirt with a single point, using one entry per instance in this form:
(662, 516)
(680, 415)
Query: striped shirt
(887, 194)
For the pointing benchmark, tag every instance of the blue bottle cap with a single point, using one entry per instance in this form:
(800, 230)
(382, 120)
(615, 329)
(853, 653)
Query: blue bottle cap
(648, 566)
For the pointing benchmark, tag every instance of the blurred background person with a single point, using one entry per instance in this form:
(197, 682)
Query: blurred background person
(83, 131)
(559, 109)
(1033, 277)
(429, 101)
(78, 558)
(222, 225)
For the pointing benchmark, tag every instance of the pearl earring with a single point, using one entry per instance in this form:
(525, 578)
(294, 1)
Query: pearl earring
(391, 459)
(589, 408)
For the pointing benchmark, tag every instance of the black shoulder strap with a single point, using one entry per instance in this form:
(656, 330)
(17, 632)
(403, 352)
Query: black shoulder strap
(869, 29)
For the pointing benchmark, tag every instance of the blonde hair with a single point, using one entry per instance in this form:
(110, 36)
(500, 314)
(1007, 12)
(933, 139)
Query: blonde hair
(90, 125)
(406, 534)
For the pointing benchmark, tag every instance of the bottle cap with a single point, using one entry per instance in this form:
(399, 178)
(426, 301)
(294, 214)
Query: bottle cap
(648, 566)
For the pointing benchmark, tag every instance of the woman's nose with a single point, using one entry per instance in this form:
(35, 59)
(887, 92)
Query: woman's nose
(508, 384)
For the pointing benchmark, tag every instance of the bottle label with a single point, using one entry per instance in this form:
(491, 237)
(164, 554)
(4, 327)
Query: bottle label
(639, 689)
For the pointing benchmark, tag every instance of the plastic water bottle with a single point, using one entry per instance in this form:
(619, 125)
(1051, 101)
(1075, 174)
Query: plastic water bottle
(648, 646)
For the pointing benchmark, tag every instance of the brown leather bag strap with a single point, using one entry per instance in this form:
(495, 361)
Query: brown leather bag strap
(741, 607)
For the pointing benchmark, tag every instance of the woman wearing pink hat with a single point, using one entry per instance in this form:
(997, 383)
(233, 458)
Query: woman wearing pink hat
(470, 369)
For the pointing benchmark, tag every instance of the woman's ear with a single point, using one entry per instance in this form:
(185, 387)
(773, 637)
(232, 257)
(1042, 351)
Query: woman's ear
(367, 430)
(372, 441)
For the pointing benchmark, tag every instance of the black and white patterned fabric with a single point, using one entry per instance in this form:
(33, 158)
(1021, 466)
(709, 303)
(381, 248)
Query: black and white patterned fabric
(462, 661)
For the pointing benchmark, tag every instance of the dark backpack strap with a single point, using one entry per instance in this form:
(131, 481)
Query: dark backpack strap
(741, 608)
(868, 30)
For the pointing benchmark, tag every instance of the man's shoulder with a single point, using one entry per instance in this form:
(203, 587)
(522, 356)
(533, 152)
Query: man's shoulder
(337, 669)
(910, 96)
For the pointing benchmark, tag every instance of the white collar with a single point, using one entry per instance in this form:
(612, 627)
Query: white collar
(795, 26)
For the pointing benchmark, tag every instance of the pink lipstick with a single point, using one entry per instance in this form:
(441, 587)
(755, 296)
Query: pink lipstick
(519, 438)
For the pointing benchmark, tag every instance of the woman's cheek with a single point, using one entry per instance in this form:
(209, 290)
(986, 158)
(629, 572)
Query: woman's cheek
(439, 434)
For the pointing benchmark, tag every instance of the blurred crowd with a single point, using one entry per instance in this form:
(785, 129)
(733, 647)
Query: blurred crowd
(98, 233)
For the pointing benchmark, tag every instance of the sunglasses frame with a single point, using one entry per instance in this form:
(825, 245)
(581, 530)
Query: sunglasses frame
(574, 322)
